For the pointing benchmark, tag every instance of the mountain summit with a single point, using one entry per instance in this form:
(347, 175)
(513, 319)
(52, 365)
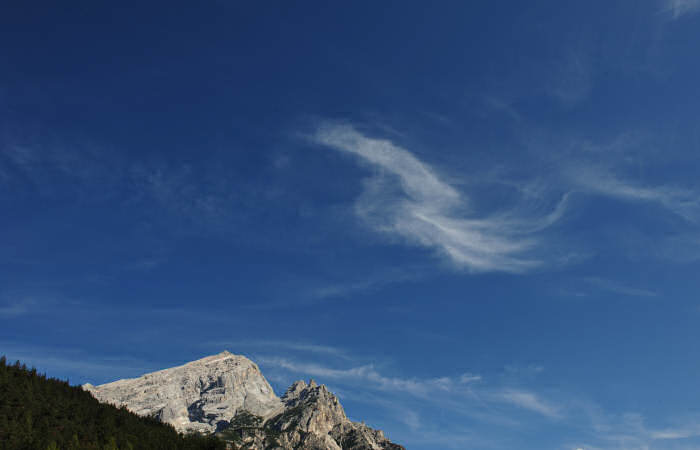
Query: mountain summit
(202, 395)
(227, 394)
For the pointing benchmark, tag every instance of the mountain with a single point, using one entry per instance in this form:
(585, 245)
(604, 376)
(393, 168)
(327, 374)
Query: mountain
(228, 395)
(202, 395)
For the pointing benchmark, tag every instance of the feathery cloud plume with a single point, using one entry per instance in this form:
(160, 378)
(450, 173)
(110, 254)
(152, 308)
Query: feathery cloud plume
(408, 198)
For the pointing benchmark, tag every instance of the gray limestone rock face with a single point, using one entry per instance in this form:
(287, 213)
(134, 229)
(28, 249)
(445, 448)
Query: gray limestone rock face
(202, 395)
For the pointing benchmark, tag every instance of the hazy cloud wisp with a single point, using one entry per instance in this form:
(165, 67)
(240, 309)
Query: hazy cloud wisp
(678, 8)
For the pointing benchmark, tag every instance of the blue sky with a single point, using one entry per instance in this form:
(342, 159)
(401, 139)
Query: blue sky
(478, 223)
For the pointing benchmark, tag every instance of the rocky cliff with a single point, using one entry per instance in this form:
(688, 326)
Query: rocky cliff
(227, 394)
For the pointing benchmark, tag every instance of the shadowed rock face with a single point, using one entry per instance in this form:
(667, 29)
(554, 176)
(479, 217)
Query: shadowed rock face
(202, 395)
(228, 394)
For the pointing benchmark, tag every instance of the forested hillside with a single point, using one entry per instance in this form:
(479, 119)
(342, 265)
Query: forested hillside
(38, 413)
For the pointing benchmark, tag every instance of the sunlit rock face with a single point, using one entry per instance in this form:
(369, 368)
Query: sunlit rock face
(227, 394)
(312, 419)
(202, 395)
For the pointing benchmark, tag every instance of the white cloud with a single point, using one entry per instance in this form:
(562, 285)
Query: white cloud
(412, 419)
(629, 430)
(678, 8)
(469, 378)
(530, 401)
(684, 432)
(408, 199)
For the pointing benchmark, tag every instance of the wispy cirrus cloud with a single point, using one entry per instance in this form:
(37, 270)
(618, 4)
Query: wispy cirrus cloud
(456, 392)
(20, 304)
(58, 361)
(680, 432)
(14, 309)
(678, 8)
(630, 430)
(368, 373)
(530, 401)
(490, 403)
(198, 193)
(572, 80)
(619, 288)
(407, 198)
(372, 281)
(602, 181)
(305, 347)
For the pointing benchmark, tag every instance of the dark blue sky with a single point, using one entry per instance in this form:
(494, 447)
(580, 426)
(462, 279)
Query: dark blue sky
(477, 222)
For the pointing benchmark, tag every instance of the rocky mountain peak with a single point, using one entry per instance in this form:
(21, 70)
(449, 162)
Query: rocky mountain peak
(227, 394)
(294, 391)
(202, 395)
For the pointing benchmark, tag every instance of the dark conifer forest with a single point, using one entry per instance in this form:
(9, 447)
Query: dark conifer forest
(40, 413)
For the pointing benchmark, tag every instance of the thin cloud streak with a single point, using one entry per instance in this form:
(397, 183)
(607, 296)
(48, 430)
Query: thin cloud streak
(676, 433)
(93, 368)
(629, 430)
(408, 199)
(15, 309)
(600, 181)
(482, 403)
(617, 288)
(418, 388)
(277, 344)
(573, 80)
(373, 281)
(530, 401)
(15, 305)
(463, 387)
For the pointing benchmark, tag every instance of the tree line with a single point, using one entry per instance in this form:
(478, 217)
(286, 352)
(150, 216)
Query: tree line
(40, 413)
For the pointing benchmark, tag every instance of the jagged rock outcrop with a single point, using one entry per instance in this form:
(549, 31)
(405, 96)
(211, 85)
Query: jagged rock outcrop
(228, 394)
(313, 419)
(202, 395)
